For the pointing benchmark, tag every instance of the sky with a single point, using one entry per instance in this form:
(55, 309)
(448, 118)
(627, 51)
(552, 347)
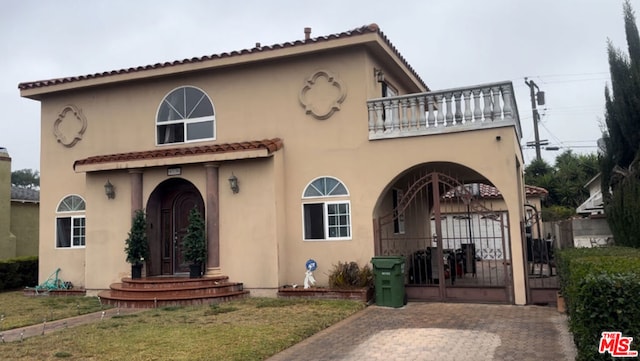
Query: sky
(559, 44)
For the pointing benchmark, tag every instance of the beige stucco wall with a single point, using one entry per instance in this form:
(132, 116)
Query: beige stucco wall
(261, 236)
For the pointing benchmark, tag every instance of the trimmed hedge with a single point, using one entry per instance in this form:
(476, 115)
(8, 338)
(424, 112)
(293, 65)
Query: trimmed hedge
(18, 272)
(601, 287)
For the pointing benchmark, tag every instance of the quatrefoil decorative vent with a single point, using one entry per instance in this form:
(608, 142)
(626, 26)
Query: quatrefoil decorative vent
(322, 95)
(69, 126)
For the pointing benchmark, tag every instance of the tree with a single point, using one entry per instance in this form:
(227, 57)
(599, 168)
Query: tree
(619, 161)
(25, 178)
(137, 245)
(565, 182)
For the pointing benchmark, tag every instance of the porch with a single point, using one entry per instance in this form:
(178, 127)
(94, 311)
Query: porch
(451, 110)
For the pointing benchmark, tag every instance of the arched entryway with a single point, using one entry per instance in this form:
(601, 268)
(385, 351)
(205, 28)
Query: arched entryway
(452, 229)
(168, 217)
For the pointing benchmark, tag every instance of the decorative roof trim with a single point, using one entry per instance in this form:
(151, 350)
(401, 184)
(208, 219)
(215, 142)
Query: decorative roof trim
(175, 156)
(367, 29)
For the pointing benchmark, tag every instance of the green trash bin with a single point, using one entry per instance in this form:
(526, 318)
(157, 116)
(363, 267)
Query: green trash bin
(388, 273)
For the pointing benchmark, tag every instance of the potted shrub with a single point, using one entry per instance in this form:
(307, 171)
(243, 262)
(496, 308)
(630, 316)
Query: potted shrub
(194, 244)
(137, 245)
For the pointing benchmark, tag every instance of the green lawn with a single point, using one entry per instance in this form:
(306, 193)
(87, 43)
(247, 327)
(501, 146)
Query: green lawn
(250, 329)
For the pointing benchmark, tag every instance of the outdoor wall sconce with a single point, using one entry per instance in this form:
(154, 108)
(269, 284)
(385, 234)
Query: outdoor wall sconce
(233, 183)
(379, 75)
(109, 190)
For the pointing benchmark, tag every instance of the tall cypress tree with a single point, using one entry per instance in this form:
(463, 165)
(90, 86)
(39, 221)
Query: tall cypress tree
(619, 162)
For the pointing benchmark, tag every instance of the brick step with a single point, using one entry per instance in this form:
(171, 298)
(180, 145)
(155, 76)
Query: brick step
(142, 302)
(153, 292)
(171, 282)
(120, 290)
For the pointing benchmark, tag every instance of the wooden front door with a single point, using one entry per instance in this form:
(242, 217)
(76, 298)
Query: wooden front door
(174, 220)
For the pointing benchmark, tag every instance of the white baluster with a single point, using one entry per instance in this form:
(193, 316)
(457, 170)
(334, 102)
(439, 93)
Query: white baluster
(379, 117)
(467, 106)
(487, 104)
(388, 116)
(497, 111)
(372, 118)
(506, 97)
(431, 118)
(449, 116)
(414, 119)
(395, 119)
(404, 116)
(421, 118)
(477, 110)
(440, 117)
(457, 97)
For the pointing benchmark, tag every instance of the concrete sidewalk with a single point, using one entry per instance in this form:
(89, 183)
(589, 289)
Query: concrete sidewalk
(20, 333)
(439, 331)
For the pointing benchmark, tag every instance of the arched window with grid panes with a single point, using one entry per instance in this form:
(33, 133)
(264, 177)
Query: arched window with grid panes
(70, 222)
(326, 210)
(185, 115)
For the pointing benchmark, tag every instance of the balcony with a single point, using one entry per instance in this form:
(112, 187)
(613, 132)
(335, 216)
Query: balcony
(446, 111)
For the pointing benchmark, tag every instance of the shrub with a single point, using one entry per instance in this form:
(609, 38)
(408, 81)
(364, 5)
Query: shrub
(137, 245)
(601, 286)
(18, 272)
(350, 275)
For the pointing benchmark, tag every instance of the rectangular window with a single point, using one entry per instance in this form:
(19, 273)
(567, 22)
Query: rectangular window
(70, 232)
(330, 220)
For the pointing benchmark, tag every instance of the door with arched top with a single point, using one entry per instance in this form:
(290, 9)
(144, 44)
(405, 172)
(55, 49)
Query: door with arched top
(168, 208)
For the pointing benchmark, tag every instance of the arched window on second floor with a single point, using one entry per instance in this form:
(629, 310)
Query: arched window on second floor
(185, 115)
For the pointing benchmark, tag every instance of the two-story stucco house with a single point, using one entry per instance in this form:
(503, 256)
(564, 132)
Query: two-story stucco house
(339, 149)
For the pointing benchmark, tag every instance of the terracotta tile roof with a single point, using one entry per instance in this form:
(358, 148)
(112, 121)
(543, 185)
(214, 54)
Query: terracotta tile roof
(271, 145)
(372, 28)
(489, 191)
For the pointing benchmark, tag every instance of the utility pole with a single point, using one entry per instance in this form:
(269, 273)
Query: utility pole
(536, 115)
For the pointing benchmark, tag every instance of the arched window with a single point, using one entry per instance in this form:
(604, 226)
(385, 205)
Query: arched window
(326, 210)
(185, 115)
(70, 222)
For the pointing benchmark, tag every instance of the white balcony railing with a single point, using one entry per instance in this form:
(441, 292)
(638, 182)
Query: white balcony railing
(451, 110)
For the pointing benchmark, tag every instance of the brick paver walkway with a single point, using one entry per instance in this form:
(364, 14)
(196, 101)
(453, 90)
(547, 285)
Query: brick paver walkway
(439, 331)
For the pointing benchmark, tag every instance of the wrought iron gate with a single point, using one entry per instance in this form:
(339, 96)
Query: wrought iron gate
(542, 275)
(455, 246)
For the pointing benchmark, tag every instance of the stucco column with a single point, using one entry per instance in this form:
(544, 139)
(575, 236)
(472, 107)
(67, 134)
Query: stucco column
(212, 204)
(135, 176)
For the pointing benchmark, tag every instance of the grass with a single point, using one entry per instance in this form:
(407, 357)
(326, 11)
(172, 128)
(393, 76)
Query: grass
(17, 310)
(249, 329)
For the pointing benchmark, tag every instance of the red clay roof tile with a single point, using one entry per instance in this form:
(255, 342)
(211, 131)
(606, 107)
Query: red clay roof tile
(489, 191)
(271, 145)
(372, 28)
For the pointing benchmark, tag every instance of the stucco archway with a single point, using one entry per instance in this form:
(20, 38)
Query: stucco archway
(451, 225)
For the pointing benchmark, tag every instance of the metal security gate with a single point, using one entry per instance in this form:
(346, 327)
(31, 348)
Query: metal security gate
(455, 246)
(542, 275)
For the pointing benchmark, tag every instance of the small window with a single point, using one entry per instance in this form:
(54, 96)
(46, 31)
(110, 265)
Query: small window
(71, 223)
(185, 115)
(326, 219)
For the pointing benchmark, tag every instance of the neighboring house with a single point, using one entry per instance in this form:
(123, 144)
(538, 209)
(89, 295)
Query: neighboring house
(592, 230)
(18, 215)
(594, 204)
(330, 143)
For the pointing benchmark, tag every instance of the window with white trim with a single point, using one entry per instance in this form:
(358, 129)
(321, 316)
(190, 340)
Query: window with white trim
(70, 223)
(325, 216)
(185, 115)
